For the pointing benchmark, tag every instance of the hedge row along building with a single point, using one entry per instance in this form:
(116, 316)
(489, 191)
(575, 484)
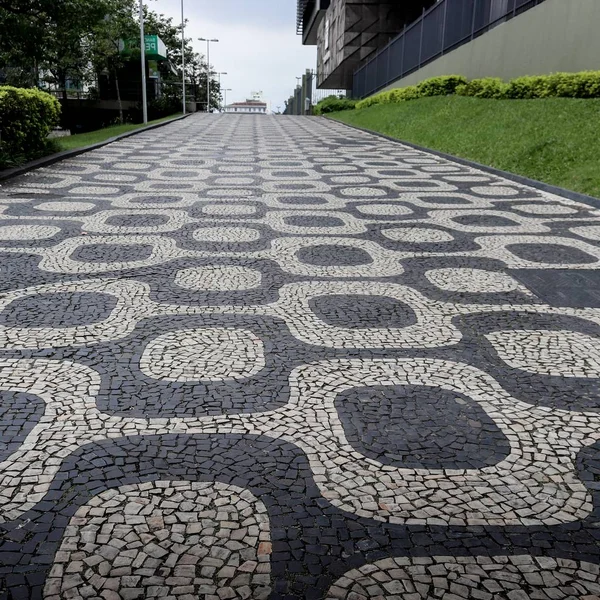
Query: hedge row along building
(368, 46)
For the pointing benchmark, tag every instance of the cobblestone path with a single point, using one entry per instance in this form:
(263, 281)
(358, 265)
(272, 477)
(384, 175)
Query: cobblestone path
(272, 357)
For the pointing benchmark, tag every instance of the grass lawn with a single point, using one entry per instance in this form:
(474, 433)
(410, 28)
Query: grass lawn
(554, 140)
(94, 137)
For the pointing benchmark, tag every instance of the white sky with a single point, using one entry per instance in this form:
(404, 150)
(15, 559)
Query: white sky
(258, 46)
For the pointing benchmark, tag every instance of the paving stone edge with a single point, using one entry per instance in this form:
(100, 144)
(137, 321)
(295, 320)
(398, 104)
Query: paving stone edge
(545, 187)
(46, 161)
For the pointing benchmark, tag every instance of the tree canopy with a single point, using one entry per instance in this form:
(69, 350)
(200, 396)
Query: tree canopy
(75, 40)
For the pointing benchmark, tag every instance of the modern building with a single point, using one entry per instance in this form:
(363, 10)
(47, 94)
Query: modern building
(348, 32)
(371, 45)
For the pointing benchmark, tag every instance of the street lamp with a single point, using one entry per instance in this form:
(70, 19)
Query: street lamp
(226, 90)
(183, 54)
(143, 60)
(219, 74)
(208, 42)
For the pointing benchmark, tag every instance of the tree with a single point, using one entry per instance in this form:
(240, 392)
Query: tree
(47, 34)
(30, 8)
(106, 50)
(78, 39)
(22, 37)
(66, 49)
(195, 63)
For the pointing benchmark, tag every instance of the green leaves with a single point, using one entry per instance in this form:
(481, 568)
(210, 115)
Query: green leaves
(27, 117)
(585, 84)
(490, 87)
(565, 85)
(334, 104)
(440, 86)
(46, 34)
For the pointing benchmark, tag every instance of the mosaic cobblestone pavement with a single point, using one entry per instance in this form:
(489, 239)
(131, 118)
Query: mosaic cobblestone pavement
(255, 357)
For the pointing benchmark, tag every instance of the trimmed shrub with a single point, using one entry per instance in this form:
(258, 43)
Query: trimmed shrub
(440, 86)
(410, 92)
(392, 97)
(573, 85)
(384, 98)
(370, 101)
(578, 85)
(525, 88)
(334, 104)
(490, 87)
(436, 86)
(27, 116)
(585, 84)
(566, 85)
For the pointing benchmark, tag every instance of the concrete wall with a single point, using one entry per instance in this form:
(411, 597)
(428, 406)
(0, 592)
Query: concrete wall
(557, 35)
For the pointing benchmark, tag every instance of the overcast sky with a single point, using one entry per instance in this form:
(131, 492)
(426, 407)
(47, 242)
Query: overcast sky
(258, 46)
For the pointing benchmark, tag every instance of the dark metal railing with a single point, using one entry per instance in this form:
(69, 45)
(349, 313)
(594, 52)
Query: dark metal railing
(447, 25)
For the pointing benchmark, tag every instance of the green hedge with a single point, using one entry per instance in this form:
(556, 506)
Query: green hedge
(558, 85)
(334, 104)
(490, 87)
(27, 116)
(436, 86)
(566, 85)
(440, 86)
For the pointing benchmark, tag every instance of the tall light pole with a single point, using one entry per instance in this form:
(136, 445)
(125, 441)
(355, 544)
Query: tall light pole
(226, 90)
(297, 104)
(219, 74)
(208, 42)
(183, 54)
(143, 48)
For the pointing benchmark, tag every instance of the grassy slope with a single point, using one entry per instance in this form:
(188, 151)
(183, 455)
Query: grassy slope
(555, 140)
(94, 137)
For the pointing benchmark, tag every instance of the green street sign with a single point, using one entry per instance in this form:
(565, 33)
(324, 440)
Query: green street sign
(155, 47)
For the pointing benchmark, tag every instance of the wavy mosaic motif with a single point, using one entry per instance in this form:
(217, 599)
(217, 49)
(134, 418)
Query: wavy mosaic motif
(249, 357)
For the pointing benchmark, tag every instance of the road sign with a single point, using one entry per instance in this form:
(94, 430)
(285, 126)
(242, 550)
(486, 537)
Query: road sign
(155, 47)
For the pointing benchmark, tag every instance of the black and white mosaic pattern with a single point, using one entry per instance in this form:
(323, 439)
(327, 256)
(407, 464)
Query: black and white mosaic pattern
(252, 357)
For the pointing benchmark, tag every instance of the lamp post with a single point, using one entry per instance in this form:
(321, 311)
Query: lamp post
(208, 42)
(298, 102)
(226, 90)
(219, 74)
(143, 60)
(183, 54)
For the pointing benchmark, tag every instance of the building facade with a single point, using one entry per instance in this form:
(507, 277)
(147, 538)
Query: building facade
(487, 38)
(371, 45)
(348, 33)
(249, 106)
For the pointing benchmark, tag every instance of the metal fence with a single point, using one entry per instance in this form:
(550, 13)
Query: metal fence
(319, 95)
(165, 91)
(306, 96)
(447, 25)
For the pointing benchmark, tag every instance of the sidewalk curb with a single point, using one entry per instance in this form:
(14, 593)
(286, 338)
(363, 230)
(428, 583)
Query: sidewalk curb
(54, 158)
(544, 187)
